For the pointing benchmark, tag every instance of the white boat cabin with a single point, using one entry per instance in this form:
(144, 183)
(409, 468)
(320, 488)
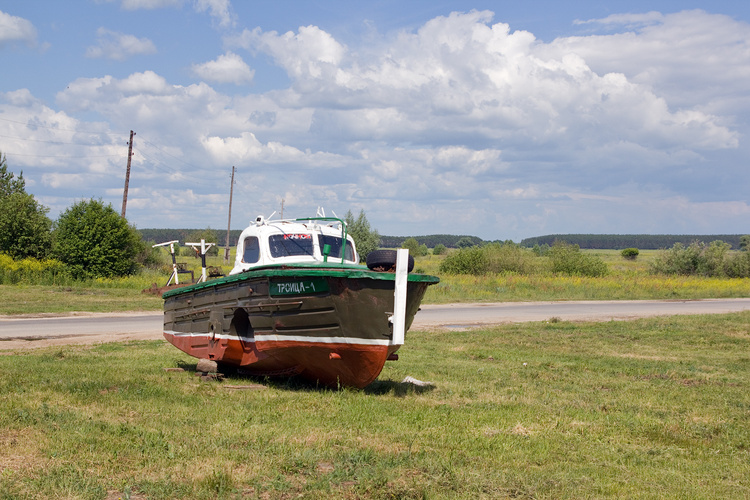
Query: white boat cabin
(279, 242)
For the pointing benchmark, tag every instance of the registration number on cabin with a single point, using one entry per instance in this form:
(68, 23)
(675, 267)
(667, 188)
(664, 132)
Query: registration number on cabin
(299, 286)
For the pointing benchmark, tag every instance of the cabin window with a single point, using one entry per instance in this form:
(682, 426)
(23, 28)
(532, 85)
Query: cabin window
(251, 254)
(335, 243)
(289, 245)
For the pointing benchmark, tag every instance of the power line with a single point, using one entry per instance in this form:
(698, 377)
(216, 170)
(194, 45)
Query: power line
(28, 125)
(156, 163)
(49, 142)
(60, 156)
(163, 167)
(168, 154)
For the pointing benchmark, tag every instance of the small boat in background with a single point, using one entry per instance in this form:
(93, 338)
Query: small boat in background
(298, 302)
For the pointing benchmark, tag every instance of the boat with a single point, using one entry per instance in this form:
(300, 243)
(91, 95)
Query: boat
(298, 302)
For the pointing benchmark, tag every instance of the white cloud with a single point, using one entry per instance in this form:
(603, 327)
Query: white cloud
(219, 10)
(629, 21)
(309, 53)
(460, 75)
(227, 68)
(119, 46)
(690, 58)
(63, 158)
(16, 29)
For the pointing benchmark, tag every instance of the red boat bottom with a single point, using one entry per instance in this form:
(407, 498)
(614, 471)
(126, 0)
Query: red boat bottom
(329, 364)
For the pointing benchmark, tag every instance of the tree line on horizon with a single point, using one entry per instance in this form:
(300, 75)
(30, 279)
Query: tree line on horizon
(640, 241)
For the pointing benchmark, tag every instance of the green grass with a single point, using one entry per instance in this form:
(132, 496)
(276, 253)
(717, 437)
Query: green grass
(20, 299)
(645, 409)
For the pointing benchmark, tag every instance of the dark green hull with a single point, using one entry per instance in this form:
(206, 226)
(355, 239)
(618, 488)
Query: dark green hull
(329, 323)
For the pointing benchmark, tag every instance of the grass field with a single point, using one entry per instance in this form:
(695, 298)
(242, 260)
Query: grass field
(644, 409)
(655, 408)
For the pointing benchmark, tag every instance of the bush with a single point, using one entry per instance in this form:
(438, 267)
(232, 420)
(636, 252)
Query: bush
(471, 260)
(630, 253)
(679, 259)
(439, 249)
(94, 241)
(699, 259)
(509, 257)
(711, 262)
(568, 259)
(737, 265)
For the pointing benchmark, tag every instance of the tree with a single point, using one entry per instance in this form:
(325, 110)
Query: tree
(365, 238)
(630, 253)
(412, 245)
(745, 242)
(465, 242)
(439, 249)
(94, 241)
(24, 225)
(25, 229)
(9, 183)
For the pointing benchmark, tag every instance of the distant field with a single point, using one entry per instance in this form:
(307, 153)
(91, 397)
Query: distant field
(627, 280)
(654, 408)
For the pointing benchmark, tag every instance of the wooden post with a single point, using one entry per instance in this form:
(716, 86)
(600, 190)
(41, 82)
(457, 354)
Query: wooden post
(229, 222)
(127, 175)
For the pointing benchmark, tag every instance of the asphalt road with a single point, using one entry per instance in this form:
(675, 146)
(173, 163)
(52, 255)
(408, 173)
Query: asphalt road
(89, 328)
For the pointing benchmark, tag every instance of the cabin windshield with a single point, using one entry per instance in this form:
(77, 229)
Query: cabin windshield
(335, 243)
(290, 245)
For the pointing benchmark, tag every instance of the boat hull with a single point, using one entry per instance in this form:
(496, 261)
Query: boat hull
(329, 326)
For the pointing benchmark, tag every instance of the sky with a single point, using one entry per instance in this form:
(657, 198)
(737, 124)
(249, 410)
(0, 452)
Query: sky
(497, 119)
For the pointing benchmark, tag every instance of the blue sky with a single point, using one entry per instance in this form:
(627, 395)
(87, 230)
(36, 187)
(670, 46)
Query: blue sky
(504, 120)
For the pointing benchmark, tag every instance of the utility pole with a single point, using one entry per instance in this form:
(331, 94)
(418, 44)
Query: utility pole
(282, 208)
(127, 175)
(229, 222)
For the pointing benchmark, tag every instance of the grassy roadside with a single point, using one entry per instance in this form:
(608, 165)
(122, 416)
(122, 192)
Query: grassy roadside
(646, 409)
(21, 299)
